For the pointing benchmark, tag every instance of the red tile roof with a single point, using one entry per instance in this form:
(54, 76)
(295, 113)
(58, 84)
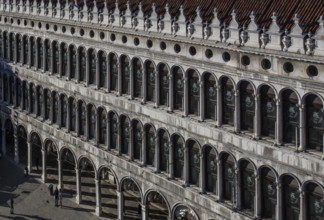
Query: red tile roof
(308, 10)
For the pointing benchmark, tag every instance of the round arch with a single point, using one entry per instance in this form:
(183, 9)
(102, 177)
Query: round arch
(91, 162)
(258, 89)
(65, 148)
(181, 210)
(281, 91)
(122, 181)
(147, 202)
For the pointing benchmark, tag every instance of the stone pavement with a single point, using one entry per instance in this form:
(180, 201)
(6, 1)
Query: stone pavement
(31, 198)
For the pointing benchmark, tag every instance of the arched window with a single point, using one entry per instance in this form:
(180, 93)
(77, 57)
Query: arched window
(64, 59)
(138, 132)
(314, 123)
(211, 169)
(1, 41)
(39, 101)
(102, 70)
(164, 151)
(164, 84)
(19, 48)
(82, 64)
(194, 162)
(228, 101)
(92, 121)
(150, 80)
(113, 123)
(48, 100)
(125, 134)
(268, 194)
(178, 150)
(247, 182)
(228, 176)
(125, 75)
(178, 86)
(73, 60)
(26, 50)
(56, 65)
(150, 145)
(64, 103)
(55, 107)
(290, 115)
(32, 98)
(157, 206)
(268, 111)
(138, 78)
(92, 66)
(73, 114)
(48, 55)
(210, 96)
(82, 118)
(102, 126)
(247, 106)
(113, 72)
(314, 202)
(290, 198)
(194, 92)
(40, 53)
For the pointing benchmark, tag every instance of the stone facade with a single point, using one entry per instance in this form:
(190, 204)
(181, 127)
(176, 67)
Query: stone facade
(223, 122)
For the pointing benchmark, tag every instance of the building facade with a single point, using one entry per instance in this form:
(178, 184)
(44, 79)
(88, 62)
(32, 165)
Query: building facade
(187, 111)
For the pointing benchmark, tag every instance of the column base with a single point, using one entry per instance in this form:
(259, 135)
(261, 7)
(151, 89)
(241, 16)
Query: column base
(43, 178)
(98, 211)
(78, 199)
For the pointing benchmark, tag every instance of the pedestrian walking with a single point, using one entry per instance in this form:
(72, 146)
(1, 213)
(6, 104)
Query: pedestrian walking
(37, 163)
(56, 196)
(11, 206)
(26, 171)
(60, 197)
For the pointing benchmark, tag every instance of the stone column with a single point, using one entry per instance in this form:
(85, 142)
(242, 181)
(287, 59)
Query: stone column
(87, 58)
(171, 93)
(157, 154)
(120, 91)
(43, 106)
(186, 166)
(44, 173)
(219, 179)
(29, 158)
(51, 70)
(302, 198)
(87, 124)
(237, 189)
(202, 179)
(22, 51)
(9, 48)
(60, 173)
(98, 197)
(237, 112)
(68, 116)
(119, 139)
(257, 197)
(51, 109)
(2, 46)
(131, 84)
(157, 88)
(144, 147)
(60, 61)
(77, 66)
(78, 198)
(202, 100)
(15, 48)
(44, 56)
(108, 132)
(186, 96)
(108, 78)
(279, 122)
(16, 144)
(97, 134)
(219, 109)
(68, 63)
(302, 130)
(131, 143)
(120, 205)
(97, 71)
(257, 117)
(144, 90)
(171, 160)
(77, 123)
(59, 117)
(144, 213)
(279, 201)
